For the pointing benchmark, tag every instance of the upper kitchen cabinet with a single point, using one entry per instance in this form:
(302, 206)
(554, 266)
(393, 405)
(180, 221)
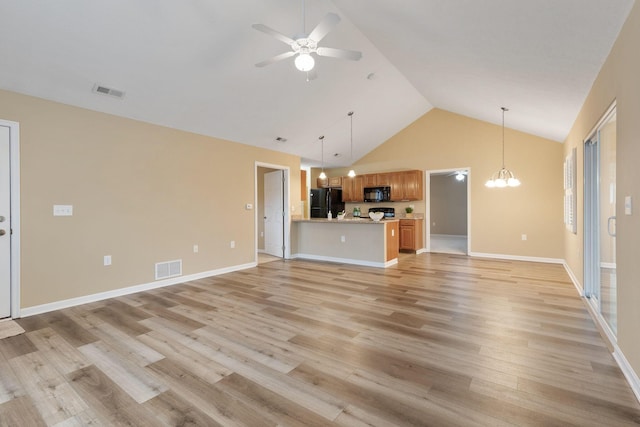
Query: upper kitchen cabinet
(322, 183)
(353, 189)
(370, 180)
(333, 182)
(406, 185)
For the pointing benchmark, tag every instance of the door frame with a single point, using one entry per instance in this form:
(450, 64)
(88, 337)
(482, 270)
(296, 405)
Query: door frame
(427, 187)
(14, 154)
(285, 202)
(591, 219)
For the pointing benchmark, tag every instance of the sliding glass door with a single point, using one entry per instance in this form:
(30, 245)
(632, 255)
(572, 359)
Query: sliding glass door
(600, 220)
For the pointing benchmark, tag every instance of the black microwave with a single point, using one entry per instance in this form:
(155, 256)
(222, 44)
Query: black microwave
(377, 194)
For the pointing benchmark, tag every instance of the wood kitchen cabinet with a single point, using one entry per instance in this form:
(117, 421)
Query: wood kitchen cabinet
(411, 234)
(406, 185)
(329, 182)
(353, 189)
(370, 180)
(383, 179)
(392, 237)
(322, 183)
(335, 182)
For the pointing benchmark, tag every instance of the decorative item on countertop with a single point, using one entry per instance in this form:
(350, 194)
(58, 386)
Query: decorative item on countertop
(376, 216)
(329, 215)
(341, 215)
(356, 212)
(409, 212)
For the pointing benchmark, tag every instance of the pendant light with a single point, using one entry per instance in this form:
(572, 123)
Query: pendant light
(504, 177)
(352, 172)
(322, 174)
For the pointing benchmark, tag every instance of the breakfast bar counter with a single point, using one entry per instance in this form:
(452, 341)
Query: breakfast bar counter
(349, 241)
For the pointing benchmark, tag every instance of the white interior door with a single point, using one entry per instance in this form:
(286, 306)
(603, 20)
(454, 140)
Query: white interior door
(274, 213)
(5, 221)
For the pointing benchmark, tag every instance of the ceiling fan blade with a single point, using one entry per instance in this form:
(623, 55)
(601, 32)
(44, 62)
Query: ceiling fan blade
(275, 59)
(273, 33)
(327, 24)
(339, 53)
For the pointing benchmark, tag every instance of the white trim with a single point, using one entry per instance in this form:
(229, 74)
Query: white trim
(58, 305)
(627, 370)
(286, 202)
(427, 198)
(421, 251)
(347, 260)
(618, 355)
(517, 258)
(14, 161)
(574, 279)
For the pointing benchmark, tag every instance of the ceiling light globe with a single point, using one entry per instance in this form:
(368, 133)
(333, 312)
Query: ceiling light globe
(513, 182)
(490, 184)
(351, 173)
(501, 182)
(304, 62)
(322, 175)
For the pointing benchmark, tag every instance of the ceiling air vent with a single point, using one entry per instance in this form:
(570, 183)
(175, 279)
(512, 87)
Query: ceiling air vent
(98, 88)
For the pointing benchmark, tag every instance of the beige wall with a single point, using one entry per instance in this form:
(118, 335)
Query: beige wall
(448, 205)
(140, 193)
(618, 80)
(443, 140)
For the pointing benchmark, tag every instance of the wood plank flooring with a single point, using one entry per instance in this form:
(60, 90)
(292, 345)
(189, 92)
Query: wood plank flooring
(438, 340)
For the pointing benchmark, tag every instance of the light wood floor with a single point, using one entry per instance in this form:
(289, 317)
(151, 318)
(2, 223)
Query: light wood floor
(439, 340)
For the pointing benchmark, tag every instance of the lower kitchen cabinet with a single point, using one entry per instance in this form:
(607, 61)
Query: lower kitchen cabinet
(411, 234)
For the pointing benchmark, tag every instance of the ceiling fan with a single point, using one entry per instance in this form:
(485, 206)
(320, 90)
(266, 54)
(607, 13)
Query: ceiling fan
(303, 46)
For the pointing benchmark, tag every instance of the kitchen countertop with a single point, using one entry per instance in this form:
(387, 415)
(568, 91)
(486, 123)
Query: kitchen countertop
(346, 220)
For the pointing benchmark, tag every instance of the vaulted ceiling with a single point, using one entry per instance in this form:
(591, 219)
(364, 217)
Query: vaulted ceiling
(190, 64)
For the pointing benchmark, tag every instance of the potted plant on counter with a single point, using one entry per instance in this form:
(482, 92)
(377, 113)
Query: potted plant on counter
(409, 212)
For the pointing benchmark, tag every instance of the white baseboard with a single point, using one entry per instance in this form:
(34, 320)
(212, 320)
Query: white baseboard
(58, 305)
(421, 251)
(618, 355)
(517, 258)
(573, 278)
(347, 260)
(627, 370)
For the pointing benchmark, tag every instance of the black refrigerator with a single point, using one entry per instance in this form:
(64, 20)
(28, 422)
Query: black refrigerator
(324, 200)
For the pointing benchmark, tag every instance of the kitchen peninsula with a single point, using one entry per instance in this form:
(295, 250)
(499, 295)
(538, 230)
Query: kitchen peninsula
(350, 241)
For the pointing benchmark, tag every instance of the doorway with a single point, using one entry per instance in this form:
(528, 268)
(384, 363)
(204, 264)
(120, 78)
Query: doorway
(9, 220)
(272, 216)
(600, 220)
(448, 207)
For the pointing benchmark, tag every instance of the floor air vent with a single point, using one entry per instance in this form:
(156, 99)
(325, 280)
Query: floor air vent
(168, 269)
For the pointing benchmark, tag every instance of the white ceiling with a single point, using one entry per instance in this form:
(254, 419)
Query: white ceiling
(190, 64)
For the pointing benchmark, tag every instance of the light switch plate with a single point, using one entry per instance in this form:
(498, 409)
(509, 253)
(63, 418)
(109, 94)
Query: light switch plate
(62, 210)
(628, 205)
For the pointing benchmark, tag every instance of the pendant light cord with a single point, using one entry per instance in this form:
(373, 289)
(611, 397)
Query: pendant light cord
(503, 110)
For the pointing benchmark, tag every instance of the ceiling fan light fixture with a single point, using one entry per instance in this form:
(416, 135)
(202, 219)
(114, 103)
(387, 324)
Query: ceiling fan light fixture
(304, 62)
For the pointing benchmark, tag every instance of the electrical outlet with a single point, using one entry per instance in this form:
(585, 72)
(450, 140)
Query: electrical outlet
(524, 237)
(262, 234)
(434, 224)
(232, 244)
(62, 210)
(195, 249)
(107, 260)
(343, 239)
